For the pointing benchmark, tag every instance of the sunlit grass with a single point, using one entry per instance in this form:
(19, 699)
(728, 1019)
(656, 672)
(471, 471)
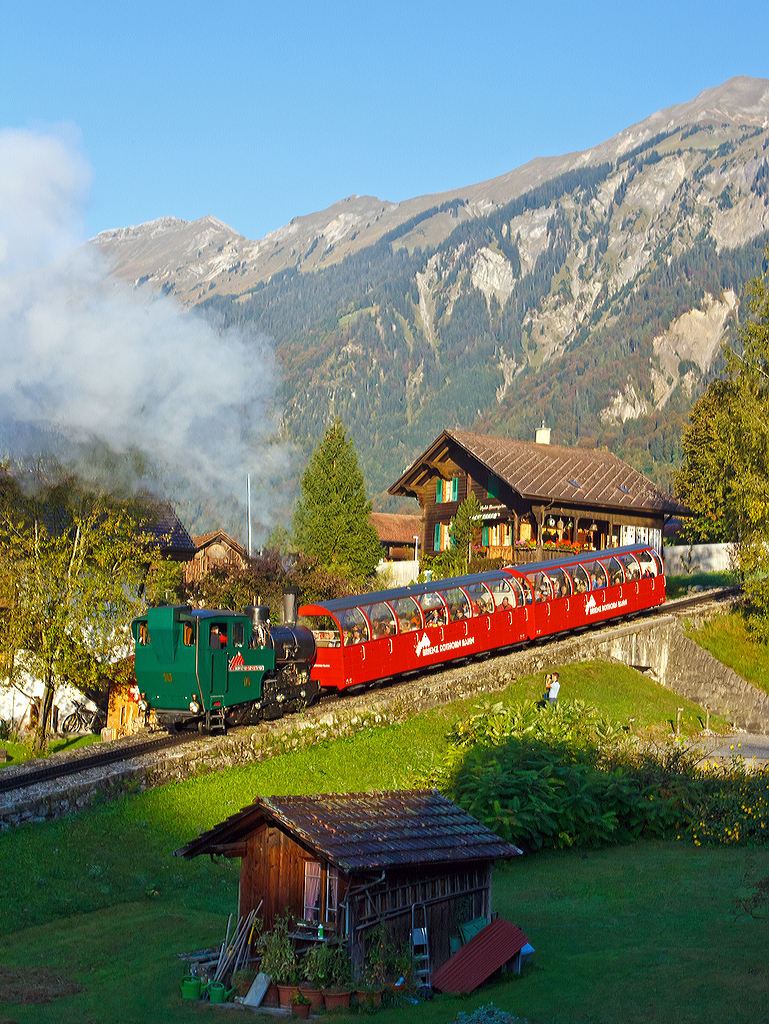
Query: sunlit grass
(727, 638)
(18, 752)
(678, 586)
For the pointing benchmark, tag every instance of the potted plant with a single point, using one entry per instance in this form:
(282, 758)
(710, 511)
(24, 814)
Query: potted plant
(279, 959)
(379, 960)
(338, 993)
(317, 968)
(301, 1006)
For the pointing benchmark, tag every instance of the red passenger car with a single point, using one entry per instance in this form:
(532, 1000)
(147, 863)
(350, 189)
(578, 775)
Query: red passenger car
(371, 637)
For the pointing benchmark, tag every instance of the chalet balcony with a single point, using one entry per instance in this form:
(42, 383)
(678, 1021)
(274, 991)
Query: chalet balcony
(520, 555)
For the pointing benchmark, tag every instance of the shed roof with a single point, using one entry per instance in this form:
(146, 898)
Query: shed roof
(394, 528)
(481, 957)
(364, 831)
(202, 540)
(552, 472)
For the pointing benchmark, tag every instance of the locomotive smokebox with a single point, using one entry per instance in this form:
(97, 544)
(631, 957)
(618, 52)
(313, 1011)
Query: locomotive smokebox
(290, 602)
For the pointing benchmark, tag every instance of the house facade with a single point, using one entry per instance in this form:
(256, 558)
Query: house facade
(351, 861)
(536, 499)
(213, 549)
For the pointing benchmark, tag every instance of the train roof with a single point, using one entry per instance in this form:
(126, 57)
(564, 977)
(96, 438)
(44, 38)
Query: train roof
(417, 589)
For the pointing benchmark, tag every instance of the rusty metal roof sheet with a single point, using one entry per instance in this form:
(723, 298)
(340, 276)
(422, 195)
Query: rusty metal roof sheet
(556, 473)
(481, 957)
(366, 831)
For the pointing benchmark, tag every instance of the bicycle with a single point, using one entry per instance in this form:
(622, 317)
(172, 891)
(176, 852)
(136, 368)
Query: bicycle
(83, 720)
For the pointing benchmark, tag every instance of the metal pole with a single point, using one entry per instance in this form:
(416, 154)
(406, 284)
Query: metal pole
(248, 482)
(416, 548)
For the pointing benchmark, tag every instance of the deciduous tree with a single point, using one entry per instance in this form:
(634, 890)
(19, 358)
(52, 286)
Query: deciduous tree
(725, 475)
(70, 562)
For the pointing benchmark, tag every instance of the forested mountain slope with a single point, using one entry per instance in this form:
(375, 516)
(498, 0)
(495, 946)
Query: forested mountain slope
(595, 299)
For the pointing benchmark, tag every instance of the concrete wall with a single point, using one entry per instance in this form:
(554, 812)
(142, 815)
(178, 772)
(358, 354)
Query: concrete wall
(704, 558)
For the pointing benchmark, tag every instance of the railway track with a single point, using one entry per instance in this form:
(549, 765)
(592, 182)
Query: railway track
(20, 778)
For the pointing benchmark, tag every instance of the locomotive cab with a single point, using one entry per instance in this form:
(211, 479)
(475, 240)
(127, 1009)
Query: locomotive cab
(207, 667)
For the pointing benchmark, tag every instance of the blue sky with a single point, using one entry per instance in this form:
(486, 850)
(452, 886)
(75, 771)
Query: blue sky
(258, 112)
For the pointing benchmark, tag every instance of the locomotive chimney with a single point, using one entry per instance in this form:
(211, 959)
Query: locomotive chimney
(290, 601)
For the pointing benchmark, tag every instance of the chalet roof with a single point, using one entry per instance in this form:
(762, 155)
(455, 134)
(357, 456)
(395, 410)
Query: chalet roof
(169, 533)
(202, 540)
(476, 961)
(550, 473)
(364, 831)
(394, 528)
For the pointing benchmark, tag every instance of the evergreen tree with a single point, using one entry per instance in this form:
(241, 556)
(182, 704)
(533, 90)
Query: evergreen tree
(331, 521)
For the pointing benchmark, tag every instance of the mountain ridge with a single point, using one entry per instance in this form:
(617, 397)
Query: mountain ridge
(592, 289)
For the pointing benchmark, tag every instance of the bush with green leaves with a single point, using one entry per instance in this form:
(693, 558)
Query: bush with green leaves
(567, 776)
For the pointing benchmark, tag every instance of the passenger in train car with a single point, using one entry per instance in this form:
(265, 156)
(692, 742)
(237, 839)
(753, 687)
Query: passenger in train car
(504, 605)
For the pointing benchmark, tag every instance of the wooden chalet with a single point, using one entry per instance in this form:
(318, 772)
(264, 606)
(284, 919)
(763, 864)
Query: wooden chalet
(537, 499)
(349, 861)
(397, 534)
(214, 549)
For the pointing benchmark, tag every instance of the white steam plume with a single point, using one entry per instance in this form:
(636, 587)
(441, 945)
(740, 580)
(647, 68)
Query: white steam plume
(88, 363)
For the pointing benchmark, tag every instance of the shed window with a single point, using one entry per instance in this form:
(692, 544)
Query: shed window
(332, 894)
(311, 890)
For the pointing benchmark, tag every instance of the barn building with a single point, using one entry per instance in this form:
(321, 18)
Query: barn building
(536, 499)
(211, 550)
(349, 861)
(398, 534)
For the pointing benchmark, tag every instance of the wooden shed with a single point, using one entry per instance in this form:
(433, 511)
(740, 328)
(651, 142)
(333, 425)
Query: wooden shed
(352, 860)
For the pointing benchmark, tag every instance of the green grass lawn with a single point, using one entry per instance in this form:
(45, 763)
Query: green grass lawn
(678, 586)
(629, 933)
(726, 637)
(18, 752)
(633, 934)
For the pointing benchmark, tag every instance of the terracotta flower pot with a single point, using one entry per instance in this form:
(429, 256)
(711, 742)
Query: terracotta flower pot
(287, 993)
(301, 1010)
(369, 998)
(314, 995)
(271, 996)
(336, 999)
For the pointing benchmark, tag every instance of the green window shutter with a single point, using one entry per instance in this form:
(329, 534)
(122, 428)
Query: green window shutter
(485, 536)
(437, 538)
(455, 489)
(493, 486)
(438, 491)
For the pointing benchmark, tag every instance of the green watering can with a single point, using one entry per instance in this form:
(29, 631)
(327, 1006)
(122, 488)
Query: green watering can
(192, 988)
(217, 993)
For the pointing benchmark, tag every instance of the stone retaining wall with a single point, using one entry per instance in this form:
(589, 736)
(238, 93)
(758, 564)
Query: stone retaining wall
(658, 646)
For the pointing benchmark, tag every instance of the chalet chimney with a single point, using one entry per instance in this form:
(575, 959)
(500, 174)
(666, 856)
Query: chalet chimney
(542, 435)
